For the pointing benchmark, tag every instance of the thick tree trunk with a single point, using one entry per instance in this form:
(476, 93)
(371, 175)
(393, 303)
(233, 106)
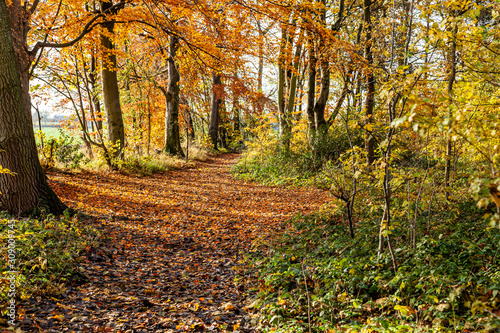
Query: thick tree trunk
(20, 19)
(110, 91)
(172, 136)
(28, 188)
(213, 128)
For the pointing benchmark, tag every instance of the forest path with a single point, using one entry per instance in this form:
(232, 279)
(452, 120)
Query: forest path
(172, 241)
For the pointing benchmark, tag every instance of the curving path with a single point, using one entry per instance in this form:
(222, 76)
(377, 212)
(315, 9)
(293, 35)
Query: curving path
(172, 242)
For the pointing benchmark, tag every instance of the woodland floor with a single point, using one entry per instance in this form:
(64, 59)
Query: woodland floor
(172, 242)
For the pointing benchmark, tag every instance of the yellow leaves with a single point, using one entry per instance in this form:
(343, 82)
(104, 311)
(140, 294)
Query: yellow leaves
(342, 297)
(434, 298)
(194, 307)
(404, 310)
(6, 171)
(58, 317)
(149, 291)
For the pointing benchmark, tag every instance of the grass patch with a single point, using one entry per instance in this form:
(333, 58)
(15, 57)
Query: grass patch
(158, 163)
(48, 132)
(148, 165)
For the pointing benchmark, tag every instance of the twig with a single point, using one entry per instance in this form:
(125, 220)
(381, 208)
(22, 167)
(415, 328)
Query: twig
(493, 314)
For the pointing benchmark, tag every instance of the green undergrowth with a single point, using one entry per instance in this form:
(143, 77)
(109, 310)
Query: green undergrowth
(315, 274)
(146, 165)
(45, 251)
(67, 152)
(281, 168)
(270, 163)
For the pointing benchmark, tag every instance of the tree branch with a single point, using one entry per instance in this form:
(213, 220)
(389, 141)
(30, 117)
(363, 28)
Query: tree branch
(33, 6)
(86, 29)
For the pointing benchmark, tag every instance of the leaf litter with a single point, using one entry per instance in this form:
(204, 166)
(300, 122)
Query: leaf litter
(171, 244)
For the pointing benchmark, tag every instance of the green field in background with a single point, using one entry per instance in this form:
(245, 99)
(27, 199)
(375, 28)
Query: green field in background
(53, 133)
(50, 132)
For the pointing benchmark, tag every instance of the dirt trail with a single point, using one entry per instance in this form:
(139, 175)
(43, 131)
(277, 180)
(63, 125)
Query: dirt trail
(171, 243)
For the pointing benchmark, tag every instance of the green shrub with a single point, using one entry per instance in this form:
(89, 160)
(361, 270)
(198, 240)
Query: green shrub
(64, 150)
(270, 163)
(46, 251)
(448, 282)
(68, 151)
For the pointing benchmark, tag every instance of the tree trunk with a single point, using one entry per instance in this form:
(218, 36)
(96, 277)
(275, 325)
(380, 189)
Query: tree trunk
(320, 106)
(281, 81)
(95, 97)
(451, 81)
(110, 91)
(223, 125)
(370, 82)
(28, 188)
(20, 20)
(260, 72)
(213, 128)
(236, 116)
(188, 119)
(311, 87)
(292, 92)
(172, 136)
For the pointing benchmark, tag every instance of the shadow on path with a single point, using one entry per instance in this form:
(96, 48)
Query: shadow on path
(171, 243)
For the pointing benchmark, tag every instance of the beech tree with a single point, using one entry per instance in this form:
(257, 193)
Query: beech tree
(110, 91)
(172, 138)
(28, 187)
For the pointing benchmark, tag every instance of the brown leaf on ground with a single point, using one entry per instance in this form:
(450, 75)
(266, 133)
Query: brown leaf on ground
(172, 242)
